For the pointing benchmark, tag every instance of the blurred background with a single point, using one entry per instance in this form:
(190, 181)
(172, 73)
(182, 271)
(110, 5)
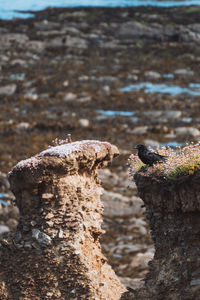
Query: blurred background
(126, 72)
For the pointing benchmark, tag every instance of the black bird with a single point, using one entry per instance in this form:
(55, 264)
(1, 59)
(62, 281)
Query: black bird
(148, 157)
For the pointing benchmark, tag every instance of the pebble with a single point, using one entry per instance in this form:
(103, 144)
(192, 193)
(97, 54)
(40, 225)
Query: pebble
(3, 229)
(152, 75)
(187, 131)
(195, 282)
(70, 97)
(60, 234)
(38, 46)
(76, 42)
(106, 79)
(106, 89)
(31, 94)
(111, 45)
(67, 41)
(23, 126)
(84, 123)
(8, 90)
(7, 40)
(83, 78)
(143, 230)
(172, 114)
(46, 25)
(186, 120)
(116, 204)
(141, 100)
(141, 260)
(4, 181)
(71, 30)
(41, 237)
(184, 72)
(170, 135)
(66, 83)
(135, 283)
(137, 30)
(140, 130)
(153, 114)
(127, 248)
(84, 97)
(19, 62)
(132, 77)
(12, 223)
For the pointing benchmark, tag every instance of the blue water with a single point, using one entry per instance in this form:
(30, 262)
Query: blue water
(18, 76)
(168, 75)
(173, 90)
(112, 113)
(172, 144)
(3, 201)
(9, 8)
(195, 85)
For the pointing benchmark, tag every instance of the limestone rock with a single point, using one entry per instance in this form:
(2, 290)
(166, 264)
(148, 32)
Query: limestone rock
(152, 75)
(68, 41)
(184, 72)
(173, 212)
(70, 97)
(136, 30)
(116, 204)
(187, 131)
(8, 89)
(23, 126)
(140, 130)
(46, 25)
(6, 40)
(84, 123)
(3, 228)
(55, 252)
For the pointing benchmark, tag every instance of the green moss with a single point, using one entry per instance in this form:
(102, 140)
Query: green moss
(187, 168)
(180, 162)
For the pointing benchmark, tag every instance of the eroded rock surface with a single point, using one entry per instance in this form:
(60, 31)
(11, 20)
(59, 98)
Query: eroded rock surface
(173, 211)
(51, 82)
(55, 251)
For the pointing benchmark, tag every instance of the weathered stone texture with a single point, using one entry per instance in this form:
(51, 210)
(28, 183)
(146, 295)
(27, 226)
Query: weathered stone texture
(55, 252)
(173, 211)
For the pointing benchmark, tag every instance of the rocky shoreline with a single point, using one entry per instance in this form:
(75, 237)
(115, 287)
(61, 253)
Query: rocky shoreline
(67, 70)
(59, 68)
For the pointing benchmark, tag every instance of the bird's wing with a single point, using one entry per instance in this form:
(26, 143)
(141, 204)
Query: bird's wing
(162, 156)
(155, 156)
(151, 154)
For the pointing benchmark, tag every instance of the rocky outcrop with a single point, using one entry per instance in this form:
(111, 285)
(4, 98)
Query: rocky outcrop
(55, 251)
(173, 211)
(158, 32)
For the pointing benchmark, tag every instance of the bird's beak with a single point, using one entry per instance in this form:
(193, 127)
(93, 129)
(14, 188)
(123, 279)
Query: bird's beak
(135, 147)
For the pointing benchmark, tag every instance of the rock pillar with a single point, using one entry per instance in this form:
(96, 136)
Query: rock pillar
(173, 212)
(55, 251)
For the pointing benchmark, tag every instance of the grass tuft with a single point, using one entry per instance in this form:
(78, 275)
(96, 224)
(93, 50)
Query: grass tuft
(180, 161)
